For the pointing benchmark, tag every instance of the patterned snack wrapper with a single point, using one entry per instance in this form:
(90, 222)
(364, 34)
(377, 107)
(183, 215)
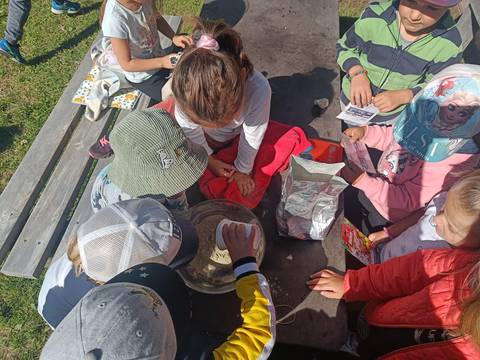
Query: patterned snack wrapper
(356, 243)
(123, 99)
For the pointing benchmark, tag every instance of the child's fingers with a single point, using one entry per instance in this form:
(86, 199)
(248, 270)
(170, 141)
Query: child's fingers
(322, 273)
(240, 231)
(319, 282)
(228, 172)
(353, 97)
(321, 285)
(253, 233)
(315, 275)
(251, 186)
(377, 236)
(226, 232)
(369, 96)
(363, 97)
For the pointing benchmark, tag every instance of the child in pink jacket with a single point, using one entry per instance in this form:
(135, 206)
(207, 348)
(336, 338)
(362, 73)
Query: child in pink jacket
(420, 152)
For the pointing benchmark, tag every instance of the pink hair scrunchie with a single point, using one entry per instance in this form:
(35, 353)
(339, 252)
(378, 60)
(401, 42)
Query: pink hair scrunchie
(207, 42)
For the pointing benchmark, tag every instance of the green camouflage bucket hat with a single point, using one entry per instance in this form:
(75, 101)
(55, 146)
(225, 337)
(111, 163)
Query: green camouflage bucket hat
(153, 155)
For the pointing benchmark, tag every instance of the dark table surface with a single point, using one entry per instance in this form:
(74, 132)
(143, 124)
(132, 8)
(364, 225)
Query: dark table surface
(292, 42)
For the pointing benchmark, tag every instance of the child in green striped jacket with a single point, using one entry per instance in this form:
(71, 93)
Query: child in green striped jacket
(393, 49)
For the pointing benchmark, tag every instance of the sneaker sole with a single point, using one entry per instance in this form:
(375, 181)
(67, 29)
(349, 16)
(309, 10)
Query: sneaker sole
(60, 12)
(4, 53)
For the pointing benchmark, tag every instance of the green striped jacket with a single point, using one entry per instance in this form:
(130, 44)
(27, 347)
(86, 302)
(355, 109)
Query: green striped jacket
(374, 42)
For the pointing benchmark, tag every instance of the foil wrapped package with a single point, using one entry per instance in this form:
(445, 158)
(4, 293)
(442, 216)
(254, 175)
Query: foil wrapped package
(309, 202)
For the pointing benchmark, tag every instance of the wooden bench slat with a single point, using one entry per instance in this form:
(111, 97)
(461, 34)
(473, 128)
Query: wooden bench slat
(18, 198)
(48, 218)
(84, 210)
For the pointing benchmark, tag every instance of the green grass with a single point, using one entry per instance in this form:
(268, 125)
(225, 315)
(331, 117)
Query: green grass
(56, 45)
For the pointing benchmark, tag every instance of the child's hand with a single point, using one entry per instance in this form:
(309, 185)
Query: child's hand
(220, 168)
(238, 245)
(165, 62)
(391, 99)
(245, 183)
(328, 283)
(378, 237)
(355, 133)
(351, 172)
(360, 90)
(182, 41)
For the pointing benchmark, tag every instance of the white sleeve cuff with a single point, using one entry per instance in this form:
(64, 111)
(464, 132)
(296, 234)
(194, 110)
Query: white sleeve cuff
(244, 268)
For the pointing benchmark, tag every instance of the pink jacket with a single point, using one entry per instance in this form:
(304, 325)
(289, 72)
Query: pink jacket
(406, 183)
(424, 289)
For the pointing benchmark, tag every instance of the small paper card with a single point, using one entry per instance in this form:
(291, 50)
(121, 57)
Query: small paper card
(357, 153)
(358, 116)
(356, 243)
(123, 99)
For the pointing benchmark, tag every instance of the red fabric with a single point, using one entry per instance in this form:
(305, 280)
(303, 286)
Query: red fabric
(461, 348)
(279, 143)
(419, 290)
(168, 105)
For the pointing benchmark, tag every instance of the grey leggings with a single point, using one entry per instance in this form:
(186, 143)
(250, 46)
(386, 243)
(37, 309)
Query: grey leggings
(18, 11)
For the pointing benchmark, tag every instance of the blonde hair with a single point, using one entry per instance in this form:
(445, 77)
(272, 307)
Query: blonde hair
(209, 85)
(470, 317)
(467, 191)
(73, 254)
(465, 99)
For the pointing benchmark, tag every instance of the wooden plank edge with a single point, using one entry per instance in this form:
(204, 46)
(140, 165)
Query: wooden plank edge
(13, 216)
(9, 267)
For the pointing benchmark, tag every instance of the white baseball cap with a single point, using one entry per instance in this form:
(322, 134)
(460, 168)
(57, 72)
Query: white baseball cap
(130, 232)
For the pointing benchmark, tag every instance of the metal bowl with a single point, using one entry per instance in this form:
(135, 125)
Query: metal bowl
(210, 272)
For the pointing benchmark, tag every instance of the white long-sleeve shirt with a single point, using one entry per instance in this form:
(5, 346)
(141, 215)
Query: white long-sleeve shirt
(251, 124)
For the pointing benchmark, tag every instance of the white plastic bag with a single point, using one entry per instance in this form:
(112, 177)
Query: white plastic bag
(309, 201)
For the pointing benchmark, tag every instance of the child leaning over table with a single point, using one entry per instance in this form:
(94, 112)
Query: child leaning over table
(153, 158)
(420, 154)
(393, 49)
(450, 220)
(223, 104)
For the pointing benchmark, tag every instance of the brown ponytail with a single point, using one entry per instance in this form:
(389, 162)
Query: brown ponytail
(209, 85)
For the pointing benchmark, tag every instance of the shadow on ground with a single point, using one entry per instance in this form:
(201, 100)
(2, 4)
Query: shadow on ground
(72, 42)
(7, 134)
(231, 11)
(293, 96)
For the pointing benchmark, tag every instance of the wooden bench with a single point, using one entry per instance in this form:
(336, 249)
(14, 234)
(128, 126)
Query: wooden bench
(41, 198)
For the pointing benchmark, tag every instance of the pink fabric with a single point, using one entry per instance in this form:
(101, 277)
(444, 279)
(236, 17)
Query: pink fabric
(207, 42)
(279, 143)
(406, 183)
(419, 290)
